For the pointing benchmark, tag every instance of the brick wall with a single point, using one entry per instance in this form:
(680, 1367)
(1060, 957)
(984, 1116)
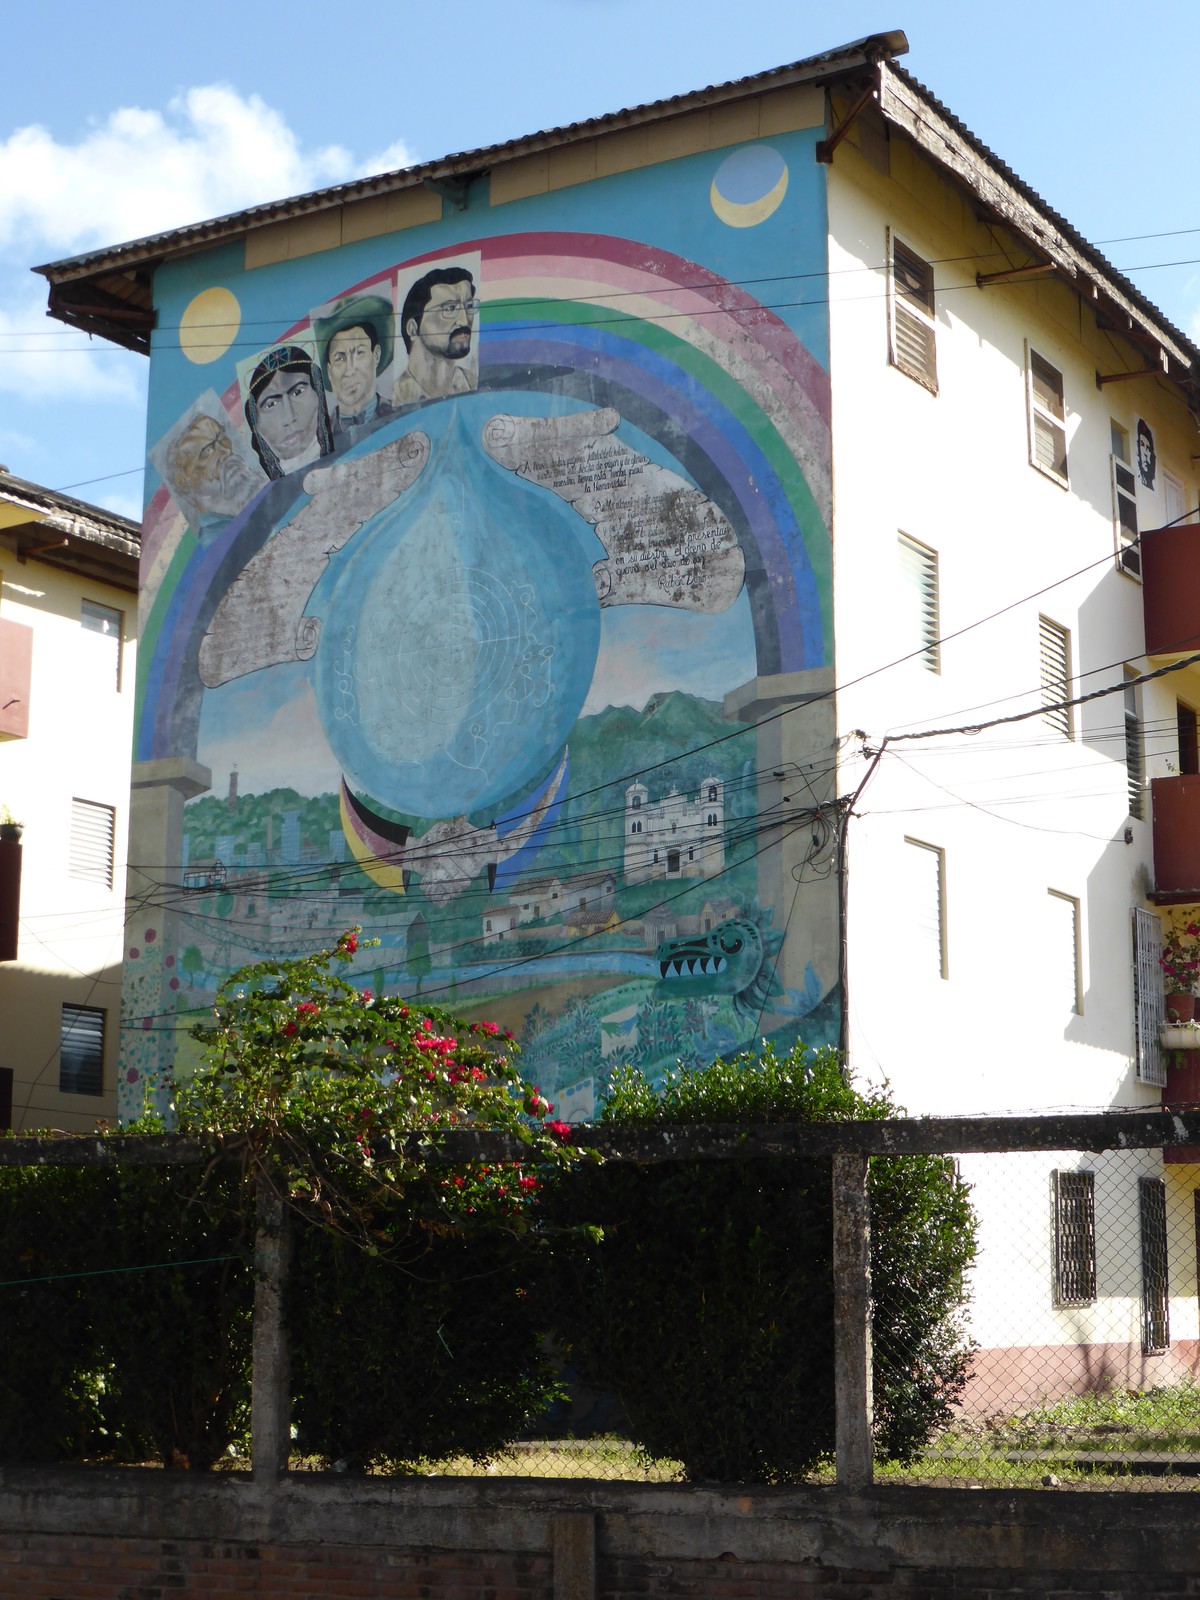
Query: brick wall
(50, 1567)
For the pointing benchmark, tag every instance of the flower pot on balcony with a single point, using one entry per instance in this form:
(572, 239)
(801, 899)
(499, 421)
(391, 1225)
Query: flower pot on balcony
(12, 831)
(1180, 1007)
(1179, 1036)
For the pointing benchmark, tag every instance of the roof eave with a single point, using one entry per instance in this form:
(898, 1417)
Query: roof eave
(147, 252)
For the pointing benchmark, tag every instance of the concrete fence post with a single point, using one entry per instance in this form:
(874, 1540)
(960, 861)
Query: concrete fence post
(574, 1554)
(270, 1391)
(852, 1320)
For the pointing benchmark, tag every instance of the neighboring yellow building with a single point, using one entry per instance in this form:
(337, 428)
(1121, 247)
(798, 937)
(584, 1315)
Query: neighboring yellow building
(68, 625)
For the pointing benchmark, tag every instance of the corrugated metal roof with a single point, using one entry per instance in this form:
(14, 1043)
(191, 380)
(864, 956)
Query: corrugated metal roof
(1103, 265)
(62, 514)
(121, 273)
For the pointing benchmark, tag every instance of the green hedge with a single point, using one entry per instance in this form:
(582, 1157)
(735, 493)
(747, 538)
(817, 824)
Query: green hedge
(704, 1301)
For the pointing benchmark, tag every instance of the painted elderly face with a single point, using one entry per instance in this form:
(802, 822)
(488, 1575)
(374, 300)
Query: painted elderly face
(446, 326)
(287, 414)
(207, 471)
(351, 365)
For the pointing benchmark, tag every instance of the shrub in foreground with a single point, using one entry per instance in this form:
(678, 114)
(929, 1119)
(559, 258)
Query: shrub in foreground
(704, 1299)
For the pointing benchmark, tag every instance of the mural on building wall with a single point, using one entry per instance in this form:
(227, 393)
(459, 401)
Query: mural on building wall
(449, 586)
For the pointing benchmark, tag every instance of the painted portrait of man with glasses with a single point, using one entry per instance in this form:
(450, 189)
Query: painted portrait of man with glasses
(437, 323)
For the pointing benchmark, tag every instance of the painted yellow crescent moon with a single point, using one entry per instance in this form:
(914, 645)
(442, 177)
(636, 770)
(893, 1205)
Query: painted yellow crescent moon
(746, 214)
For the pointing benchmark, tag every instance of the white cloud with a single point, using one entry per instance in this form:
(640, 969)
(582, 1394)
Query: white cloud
(396, 155)
(143, 171)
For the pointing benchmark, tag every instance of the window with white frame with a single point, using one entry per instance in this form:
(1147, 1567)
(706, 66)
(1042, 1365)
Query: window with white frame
(1065, 966)
(1074, 1238)
(93, 837)
(1124, 493)
(102, 626)
(1054, 662)
(1047, 417)
(1134, 767)
(81, 1050)
(1148, 1011)
(912, 330)
(919, 602)
(925, 898)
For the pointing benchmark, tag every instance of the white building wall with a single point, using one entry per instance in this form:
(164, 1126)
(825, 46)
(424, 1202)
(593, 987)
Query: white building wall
(71, 931)
(1020, 810)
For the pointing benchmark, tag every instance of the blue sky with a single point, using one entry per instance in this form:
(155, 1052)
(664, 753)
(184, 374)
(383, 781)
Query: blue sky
(125, 119)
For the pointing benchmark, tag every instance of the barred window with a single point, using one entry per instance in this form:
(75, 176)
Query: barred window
(1074, 1238)
(1152, 1210)
(1148, 1012)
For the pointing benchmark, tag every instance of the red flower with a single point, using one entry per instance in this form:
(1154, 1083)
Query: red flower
(348, 942)
(562, 1129)
(290, 1029)
(488, 1027)
(307, 1008)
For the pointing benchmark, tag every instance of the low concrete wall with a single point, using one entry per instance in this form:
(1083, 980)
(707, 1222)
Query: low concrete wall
(68, 1534)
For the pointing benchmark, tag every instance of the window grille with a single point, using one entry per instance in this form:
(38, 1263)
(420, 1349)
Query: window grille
(1047, 418)
(1133, 747)
(926, 902)
(1148, 1014)
(913, 329)
(1054, 643)
(81, 1050)
(93, 832)
(1066, 966)
(1152, 1213)
(103, 624)
(1074, 1238)
(919, 578)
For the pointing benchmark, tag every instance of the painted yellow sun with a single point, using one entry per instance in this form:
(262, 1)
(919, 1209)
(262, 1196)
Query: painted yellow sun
(209, 325)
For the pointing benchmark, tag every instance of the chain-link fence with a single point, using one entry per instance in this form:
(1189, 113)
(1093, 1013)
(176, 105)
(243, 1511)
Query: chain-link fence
(696, 1307)
(1083, 1316)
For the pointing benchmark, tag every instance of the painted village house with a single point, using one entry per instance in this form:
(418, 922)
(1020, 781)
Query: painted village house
(68, 633)
(491, 528)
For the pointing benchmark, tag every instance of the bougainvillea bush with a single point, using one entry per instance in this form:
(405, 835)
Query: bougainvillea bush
(412, 1334)
(704, 1297)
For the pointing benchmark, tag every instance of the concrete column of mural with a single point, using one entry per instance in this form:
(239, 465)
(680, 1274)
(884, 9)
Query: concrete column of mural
(487, 572)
